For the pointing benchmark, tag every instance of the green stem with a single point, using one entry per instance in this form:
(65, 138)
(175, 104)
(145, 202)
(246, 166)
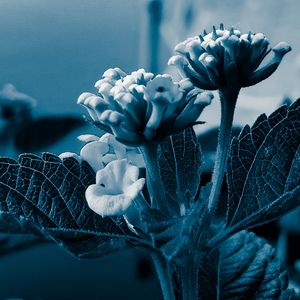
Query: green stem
(164, 273)
(154, 181)
(228, 101)
(189, 277)
(218, 239)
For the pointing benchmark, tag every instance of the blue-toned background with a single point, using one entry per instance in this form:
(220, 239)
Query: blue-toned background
(53, 50)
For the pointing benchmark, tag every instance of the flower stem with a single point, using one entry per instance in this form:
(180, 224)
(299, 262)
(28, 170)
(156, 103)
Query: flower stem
(228, 101)
(164, 273)
(189, 277)
(154, 181)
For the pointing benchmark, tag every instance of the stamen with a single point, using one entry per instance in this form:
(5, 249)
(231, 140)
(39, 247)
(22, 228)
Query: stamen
(214, 33)
(249, 36)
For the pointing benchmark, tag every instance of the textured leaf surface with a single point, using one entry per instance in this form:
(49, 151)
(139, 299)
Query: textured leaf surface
(180, 165)
(247, 269)
(263, 170)
(47, 196)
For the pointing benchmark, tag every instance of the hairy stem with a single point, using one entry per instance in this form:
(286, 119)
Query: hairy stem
(228, 101)
(154, 181)
(189, 277)
(218, 239)
(164, 273)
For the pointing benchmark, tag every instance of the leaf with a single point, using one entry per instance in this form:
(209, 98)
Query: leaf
(46, 196)
(263, 169)
(41, 133)
(180, 166)
(174, 234)
(209, 141)
(246, 269)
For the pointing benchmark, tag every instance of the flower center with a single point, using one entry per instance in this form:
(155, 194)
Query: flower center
(160, 89)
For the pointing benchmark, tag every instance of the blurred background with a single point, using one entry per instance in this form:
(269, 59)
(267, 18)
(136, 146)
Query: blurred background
(53, 50)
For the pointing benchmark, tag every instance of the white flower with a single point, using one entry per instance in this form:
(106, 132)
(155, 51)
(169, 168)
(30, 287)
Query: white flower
(66, 155)
(162, 86)
(120, 151)
(98, 152)
(139, 108)
(117, 186)
(137, 77)
(224, 58)
(110, 76)
(93, 152)
(162, 95)
(87, 138)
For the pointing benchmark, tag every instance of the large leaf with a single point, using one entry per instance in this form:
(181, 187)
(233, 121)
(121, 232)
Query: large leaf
(180, 166)
(46, 196)
(246, 268)
(263, 170)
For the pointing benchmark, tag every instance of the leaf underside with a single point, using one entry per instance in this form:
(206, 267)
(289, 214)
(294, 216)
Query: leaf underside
(263, 169)
(246, 268)
(46, 196)
(180, 166)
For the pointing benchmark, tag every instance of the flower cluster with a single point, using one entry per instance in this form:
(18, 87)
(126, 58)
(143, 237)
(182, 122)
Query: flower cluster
(224, 58)
(140, 107)
(117, 171)
(98, 152)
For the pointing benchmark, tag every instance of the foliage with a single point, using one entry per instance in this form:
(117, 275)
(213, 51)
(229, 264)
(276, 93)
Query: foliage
(46, 196)
(245, 268)
(263, 169)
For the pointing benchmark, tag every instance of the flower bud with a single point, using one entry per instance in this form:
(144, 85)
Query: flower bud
(226, 59)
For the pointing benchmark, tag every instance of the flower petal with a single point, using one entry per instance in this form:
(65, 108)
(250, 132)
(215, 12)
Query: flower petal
(134, 189)
(106, 205)
(117, 185)
(93, 152)
(118, 148)
(192, 110)
(107, 158)
(117, 175)
(65, 155)
(264, 72)
(135, 158)
(87, 138)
